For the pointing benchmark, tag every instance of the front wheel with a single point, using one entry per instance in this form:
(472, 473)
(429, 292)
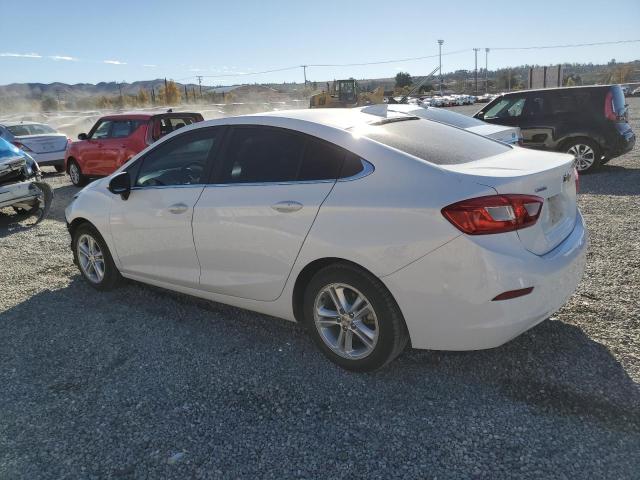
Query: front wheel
(91, 254)
(76, 176)
(586, 153)
(353, 318)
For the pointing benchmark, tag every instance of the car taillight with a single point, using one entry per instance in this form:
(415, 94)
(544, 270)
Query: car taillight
(608, 107)
(494, 213)
(577, 177)
(22, 147)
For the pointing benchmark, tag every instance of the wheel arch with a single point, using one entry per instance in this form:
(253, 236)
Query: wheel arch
(305, 275)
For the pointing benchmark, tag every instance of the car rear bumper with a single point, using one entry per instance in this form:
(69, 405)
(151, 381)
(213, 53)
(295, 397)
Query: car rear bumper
(446, 296)
(624, 145)
(49, 159)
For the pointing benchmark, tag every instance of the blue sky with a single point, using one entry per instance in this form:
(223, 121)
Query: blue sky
(81, 41)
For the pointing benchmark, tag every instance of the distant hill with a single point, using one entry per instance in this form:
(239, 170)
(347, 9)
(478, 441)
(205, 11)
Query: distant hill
(36, 91)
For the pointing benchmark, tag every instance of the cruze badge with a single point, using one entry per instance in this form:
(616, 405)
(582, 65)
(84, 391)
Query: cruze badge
(566, 177)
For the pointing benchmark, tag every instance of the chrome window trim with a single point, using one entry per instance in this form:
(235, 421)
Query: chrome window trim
(158, 187)
(367, 169)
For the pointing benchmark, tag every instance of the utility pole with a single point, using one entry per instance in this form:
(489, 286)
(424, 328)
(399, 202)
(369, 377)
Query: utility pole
(475, 50)
(121, 99)
(440, 42)
(486, 70)
(304, 71)
(199, 77)
(509, 79)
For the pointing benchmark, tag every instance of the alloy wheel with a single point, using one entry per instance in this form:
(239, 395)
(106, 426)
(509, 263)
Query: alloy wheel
(346, 321)
(74, 173)
(584, 156)
(91, 258)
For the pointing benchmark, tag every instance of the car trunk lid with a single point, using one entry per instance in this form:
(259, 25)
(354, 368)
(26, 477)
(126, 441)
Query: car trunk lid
(54, 142)
(550, 176)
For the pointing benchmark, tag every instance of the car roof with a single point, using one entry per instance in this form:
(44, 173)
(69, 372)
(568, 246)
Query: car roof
(555, 89)
(341, 118)
(16, 122)
(129, 116)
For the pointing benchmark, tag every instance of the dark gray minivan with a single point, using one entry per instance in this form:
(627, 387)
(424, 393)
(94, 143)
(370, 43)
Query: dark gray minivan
(590, 123)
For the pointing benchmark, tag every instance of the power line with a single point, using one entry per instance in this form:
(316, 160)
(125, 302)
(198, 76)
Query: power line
(407, 59)
(568, 45)
(398, 60)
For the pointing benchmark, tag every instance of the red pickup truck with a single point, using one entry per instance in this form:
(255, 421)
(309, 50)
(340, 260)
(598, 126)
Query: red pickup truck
(114, 139)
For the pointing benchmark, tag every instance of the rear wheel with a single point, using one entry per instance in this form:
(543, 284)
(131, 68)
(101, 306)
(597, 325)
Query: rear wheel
(586, 153)
(75, 174)
(353, 318)
(93, 258)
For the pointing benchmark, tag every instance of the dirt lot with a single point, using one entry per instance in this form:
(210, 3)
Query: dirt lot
(143, 383)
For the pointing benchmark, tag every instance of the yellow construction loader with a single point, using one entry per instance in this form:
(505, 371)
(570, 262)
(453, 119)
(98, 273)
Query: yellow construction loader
(345, 94)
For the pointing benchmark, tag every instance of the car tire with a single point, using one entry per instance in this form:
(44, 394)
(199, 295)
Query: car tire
(587, 154)
(92, 256)
(76, 175)
(367, 330)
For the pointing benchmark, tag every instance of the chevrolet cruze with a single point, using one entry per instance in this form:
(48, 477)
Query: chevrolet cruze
(373, 228)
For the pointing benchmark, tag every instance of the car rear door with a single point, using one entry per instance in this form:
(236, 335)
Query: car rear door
(251, 222)
(151, 229)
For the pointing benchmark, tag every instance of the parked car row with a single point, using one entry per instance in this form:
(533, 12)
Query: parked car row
(448, 100)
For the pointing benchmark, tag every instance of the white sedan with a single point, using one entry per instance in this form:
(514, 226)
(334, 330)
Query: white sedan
(373, 230)
(40, 141)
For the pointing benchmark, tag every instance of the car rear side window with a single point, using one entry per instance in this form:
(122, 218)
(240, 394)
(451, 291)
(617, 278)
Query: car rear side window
(260, 154)
(321, 161)
(124, 128)
(433, 142)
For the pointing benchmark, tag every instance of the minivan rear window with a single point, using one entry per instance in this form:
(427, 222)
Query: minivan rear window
(433, 142)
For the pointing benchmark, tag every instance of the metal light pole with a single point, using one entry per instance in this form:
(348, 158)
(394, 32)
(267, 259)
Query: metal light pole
(440, 42)
(475, 50)
(486, 70)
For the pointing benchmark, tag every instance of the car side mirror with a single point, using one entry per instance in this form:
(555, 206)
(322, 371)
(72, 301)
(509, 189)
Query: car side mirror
(83, 136)
(120, 184)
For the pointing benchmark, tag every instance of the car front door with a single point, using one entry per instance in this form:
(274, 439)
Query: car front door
(151, 229)
(251, 222)
(91, 151)
(116, 149)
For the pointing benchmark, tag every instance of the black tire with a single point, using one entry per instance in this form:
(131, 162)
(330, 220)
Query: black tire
(59, 168)
(78, 180)
(579, 144)
(392, 336)
(111, 277)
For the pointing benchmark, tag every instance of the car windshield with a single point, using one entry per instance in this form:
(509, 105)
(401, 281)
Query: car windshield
(431, 141)
(30, 129)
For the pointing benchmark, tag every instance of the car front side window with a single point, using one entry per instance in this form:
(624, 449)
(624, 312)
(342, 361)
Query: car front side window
(180, 161)
(102, 131)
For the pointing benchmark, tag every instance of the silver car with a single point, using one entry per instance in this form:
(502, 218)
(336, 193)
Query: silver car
(40, 141)
(509, 135)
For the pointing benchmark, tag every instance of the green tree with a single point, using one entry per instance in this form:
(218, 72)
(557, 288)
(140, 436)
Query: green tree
(403, 79)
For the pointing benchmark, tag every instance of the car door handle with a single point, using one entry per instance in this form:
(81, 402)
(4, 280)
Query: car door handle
(287, 206)
(178, 208)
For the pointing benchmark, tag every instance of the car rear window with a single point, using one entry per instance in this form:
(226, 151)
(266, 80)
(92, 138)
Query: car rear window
(37, 129)
(433, 142)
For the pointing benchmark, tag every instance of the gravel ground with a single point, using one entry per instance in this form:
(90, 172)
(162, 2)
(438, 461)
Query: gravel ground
(143, 383)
